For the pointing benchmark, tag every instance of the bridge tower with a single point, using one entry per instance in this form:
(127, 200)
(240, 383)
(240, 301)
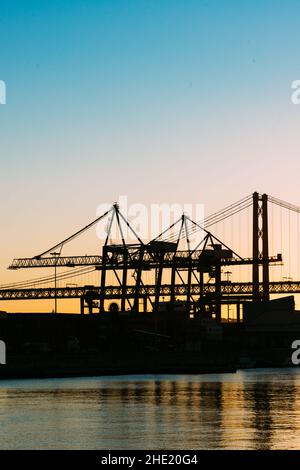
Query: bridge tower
(260, 246)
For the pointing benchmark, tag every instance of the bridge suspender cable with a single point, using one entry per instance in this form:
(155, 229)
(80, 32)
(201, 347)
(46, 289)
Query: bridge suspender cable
(217, 217)
(76, 234)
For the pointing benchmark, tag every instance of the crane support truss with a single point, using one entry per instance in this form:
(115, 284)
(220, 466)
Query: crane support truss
(62, 261)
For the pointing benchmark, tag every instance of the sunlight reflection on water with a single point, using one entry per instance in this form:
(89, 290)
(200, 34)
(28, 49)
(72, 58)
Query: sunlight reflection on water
(258, 409)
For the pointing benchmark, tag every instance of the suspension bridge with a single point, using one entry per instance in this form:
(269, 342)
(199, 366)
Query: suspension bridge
(248, 251)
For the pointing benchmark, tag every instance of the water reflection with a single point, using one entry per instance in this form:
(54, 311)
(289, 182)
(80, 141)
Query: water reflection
(248, 410)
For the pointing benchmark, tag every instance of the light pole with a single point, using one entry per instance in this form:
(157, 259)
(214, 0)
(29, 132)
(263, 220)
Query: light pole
(56, 255)
(228, 274)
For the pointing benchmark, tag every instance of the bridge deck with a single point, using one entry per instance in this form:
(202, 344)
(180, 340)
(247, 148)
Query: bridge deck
(232, 289)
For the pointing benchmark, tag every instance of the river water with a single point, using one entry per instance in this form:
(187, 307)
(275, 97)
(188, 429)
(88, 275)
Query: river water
(254, 409)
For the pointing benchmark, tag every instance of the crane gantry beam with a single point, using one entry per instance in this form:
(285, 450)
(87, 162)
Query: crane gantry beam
(60, 261)
(118, 261)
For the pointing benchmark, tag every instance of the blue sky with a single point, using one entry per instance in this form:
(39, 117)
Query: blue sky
(162, 101)
(97, 82)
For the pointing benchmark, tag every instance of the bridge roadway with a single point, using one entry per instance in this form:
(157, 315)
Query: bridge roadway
(232, 289)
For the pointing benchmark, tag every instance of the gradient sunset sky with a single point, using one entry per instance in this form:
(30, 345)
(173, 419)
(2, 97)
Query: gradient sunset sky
(160, 100)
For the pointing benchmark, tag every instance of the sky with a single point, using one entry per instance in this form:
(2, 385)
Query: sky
(185, 101)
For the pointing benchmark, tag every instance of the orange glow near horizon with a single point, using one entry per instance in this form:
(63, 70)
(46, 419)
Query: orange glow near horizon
(234, 232)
